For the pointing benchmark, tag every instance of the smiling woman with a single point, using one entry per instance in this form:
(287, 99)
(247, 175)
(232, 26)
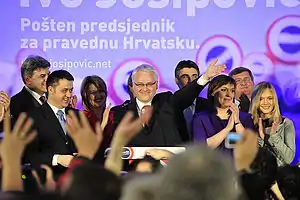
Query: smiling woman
(93, 93)
(277, 133)
(212, 126)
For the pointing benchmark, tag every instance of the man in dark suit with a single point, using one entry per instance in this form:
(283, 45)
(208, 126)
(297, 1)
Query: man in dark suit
(161, 128)
(244, 86)
(186, 72)
(53, 146)
(34, 72)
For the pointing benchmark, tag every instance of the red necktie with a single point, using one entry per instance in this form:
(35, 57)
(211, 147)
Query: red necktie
(146, 114)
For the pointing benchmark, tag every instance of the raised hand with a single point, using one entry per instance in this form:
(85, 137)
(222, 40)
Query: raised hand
(105, 117)
(11, 150)
(261, 129)
(15, 140)
(4, 104)
(50, 184)
(159, 154)
(245, 150)
(73, 102)
(244, 103)
(214, 70)
(86, 140)
(127, 128)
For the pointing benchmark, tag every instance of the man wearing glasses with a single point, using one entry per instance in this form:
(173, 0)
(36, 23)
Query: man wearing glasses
(245, 82)
(160, 129)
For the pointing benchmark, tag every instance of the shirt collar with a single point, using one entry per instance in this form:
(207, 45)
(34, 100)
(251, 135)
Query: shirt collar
(55, 109)
(236, 102)
(34, 94)
(142, 104)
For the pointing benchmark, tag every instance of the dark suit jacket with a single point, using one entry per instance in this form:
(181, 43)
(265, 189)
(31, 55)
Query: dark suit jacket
(201, 105)
(22, 102)
(50, 140)
(162, 129)
(206, 124)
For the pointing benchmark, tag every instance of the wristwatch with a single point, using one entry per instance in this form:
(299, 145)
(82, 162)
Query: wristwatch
(236, 123)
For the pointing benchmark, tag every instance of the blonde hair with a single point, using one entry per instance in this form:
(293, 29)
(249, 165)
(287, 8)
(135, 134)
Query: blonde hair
(255, 102)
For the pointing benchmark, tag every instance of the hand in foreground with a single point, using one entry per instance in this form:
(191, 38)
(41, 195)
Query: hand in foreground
(15, 140)
(244, 103)
(64, 160)
(159, 154)
(50, 184)
(80, 130)
(245, 150)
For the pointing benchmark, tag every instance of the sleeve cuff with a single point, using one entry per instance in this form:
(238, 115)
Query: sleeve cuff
(274, 139)
(202, 81)
(54, 160)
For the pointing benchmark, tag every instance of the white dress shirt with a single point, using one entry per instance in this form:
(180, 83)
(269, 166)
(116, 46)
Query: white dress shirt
(34, 94)
(140, 105)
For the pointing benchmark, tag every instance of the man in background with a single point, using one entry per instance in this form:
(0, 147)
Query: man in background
(34, 72)
(186, 72)
(245, 82)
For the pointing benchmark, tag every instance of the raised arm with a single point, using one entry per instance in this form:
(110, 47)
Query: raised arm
(184, 97)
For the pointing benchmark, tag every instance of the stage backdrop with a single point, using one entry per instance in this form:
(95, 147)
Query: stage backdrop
(111, 37)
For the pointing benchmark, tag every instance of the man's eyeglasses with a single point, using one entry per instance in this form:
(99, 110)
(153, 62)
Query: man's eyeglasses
(142, 85)
(245, 81)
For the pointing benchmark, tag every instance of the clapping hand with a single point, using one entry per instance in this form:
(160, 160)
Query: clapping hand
(73, 102)
(4, 104)
(235, 112)
(244, 103)
(261, 129)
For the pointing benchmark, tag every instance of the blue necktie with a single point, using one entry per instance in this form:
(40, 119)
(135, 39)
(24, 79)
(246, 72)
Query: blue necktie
(188, 115)
(62, 120)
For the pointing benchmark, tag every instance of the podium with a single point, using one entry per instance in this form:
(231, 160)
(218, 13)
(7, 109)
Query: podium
(134, 153)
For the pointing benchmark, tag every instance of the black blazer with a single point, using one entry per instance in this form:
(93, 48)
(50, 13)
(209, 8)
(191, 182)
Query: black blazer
(22, 102)
(162, 129)
(201, 105)
(50, 140)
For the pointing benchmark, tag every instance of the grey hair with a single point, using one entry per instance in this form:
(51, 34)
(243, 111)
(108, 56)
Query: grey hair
(145, 188)
(198, 173)
(31, 64)
(145, 68)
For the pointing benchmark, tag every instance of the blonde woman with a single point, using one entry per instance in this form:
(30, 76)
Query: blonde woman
(276, 132)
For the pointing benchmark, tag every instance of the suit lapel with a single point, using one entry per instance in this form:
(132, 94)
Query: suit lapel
(53, 121)
(30, 98)
(133, 107)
